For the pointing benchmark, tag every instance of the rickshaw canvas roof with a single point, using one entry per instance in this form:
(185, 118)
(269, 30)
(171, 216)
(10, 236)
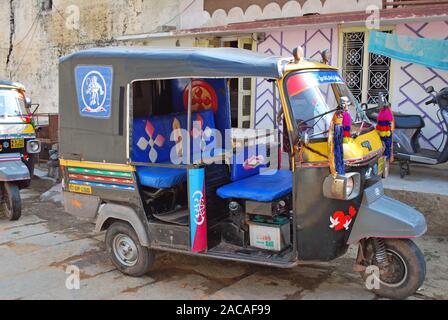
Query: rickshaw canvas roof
(166, 63)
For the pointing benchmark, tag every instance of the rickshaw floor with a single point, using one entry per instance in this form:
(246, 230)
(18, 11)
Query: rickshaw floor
(180, 218)
(280, 259)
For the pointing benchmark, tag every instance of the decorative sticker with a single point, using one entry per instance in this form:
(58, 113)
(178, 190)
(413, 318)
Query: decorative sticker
(94, 89)
(198, 212)
(340, 221)
(204, 97)
(300, 82)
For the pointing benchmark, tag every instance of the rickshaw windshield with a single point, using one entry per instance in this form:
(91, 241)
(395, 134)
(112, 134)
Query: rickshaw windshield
(11, 103)
(312, 98)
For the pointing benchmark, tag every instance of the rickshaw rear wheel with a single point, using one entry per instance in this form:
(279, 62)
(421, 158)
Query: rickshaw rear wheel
(126, 252)
(404, 272)
(11, 202)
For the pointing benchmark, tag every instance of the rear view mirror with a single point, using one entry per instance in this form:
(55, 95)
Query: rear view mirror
(28, 102)
(430, 89)
(35, 109)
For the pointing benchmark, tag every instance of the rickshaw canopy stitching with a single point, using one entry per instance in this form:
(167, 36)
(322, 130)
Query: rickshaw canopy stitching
(164, 63)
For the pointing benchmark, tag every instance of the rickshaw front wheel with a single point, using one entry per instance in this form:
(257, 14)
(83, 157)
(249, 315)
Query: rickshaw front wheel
(402, 272)
(126, 252)
(11, 202)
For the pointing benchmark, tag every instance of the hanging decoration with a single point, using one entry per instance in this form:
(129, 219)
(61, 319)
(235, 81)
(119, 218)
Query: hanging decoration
(336, 144)
(385, 129)
(347, 124)
(339, 134)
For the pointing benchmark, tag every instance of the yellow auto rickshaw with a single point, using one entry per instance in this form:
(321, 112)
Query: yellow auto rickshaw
(148, 153)
(18, 146)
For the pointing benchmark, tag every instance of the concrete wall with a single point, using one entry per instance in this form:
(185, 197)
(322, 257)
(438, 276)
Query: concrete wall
(234, 11)
(40, 38)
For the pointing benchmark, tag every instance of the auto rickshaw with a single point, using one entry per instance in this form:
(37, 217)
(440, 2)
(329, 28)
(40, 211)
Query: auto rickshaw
(18, 146)
(141, 158)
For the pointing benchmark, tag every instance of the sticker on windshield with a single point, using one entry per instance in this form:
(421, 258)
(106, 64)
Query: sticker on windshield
(302, 81)
(94, 89)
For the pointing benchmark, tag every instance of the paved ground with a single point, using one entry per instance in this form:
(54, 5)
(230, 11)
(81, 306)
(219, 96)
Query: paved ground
(35, 251)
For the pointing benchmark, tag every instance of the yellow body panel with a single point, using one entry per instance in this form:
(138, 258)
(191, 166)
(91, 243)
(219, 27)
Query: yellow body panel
(352, 150)
(307, 65)
(12, 129)
(97, 165)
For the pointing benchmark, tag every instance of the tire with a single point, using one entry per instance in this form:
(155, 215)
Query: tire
(11, 204)
(30, 164)
(409, 270)
(126, 252)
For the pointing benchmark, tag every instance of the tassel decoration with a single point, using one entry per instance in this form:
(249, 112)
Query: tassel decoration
(385, 128)
(347, 124)
(336, 145)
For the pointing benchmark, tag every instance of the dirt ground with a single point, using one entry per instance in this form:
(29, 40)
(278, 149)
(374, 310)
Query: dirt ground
(36, 251)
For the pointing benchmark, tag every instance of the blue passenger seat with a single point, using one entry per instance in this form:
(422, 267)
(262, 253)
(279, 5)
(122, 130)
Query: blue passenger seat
(261, 187)
(152, 144)
(252, 181)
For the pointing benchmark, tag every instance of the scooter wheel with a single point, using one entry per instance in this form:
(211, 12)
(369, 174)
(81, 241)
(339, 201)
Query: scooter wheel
(12, 205)
(126, 252)
(404, 274)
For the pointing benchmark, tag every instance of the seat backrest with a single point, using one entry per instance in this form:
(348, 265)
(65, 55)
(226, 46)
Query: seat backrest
(151, 139)
(248, 162)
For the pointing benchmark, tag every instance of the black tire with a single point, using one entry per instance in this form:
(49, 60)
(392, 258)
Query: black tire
(135, 264)
(30, 164)
(11, 204)
(409, 273)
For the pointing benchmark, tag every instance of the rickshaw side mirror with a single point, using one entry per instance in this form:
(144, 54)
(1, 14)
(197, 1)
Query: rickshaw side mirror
(342, 187)
(35, 109)
(28, 102)
(430, 89)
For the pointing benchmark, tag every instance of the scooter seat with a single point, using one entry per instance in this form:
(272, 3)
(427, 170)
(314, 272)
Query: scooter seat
(402, 121)
(261, 187)
(405, 121)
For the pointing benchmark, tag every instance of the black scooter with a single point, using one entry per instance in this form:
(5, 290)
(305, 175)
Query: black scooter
(408, 129)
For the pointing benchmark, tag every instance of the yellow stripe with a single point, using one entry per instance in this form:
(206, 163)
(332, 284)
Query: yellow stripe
(97, 165)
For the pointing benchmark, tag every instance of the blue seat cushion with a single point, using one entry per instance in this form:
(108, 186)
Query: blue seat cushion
(261, 187)
(161, 178)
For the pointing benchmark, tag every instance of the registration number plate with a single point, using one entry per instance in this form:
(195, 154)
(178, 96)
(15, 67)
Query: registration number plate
(17, 143)
(80, 189)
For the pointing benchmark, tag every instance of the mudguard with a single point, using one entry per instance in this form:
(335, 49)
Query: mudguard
(126, 214)
(384, 217)
(12, 168)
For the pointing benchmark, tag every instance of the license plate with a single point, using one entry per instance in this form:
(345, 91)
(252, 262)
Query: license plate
(17, 143)
(381, 163)
(80, 189)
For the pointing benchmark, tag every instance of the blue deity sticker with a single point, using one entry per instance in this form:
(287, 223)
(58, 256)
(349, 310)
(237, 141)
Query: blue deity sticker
(94, 88)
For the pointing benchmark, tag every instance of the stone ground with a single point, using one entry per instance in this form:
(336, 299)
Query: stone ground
(35, 252)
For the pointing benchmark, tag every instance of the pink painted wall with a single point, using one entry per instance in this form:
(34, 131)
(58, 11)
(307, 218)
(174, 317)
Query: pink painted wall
(407, 84)
(314, 41)
(410, 80)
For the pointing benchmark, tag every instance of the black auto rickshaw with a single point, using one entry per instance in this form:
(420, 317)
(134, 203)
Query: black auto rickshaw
(142, 156)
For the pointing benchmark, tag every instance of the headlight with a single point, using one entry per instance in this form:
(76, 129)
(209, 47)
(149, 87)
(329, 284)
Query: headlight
(349, 186)
(33, 146)
(343, 187)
